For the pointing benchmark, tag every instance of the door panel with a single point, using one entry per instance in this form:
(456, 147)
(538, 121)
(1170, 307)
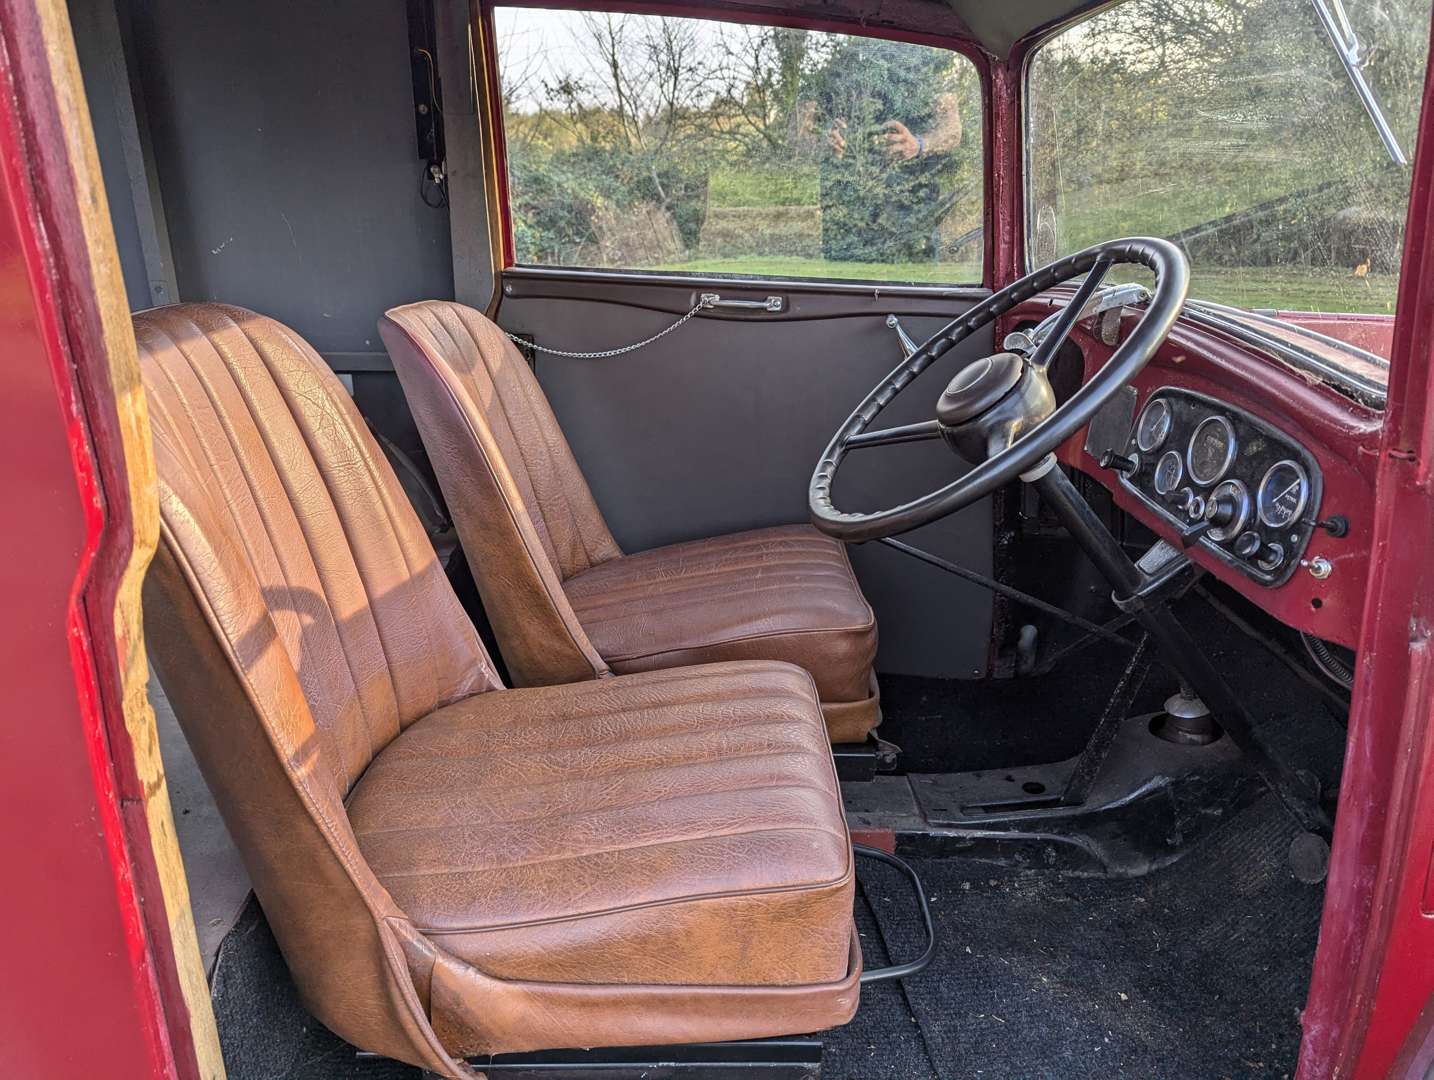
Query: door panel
(717, 427)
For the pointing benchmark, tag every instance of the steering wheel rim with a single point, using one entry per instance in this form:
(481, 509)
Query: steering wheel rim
(1172, 281)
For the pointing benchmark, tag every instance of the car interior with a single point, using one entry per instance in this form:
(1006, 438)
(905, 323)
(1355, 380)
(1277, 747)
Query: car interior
(689, 547)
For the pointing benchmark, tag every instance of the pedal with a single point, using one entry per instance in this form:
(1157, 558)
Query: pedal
(1309, 858)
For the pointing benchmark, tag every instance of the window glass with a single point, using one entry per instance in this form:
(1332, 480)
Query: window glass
(1234, 129)
(674, 144)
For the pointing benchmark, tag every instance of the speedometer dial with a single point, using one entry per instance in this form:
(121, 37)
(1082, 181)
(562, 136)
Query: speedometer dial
(1212, 450)
(1283, 494)
(1154, 426)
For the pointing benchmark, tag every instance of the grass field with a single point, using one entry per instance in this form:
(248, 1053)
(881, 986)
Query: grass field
(1096, 213)
(1286, 288)
(765, 186)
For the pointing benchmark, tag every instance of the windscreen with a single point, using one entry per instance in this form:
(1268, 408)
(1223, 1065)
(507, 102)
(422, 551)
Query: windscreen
(1269, 139)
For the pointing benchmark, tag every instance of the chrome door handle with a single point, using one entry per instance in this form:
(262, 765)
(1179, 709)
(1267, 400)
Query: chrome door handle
(772, 304)
(907, 345)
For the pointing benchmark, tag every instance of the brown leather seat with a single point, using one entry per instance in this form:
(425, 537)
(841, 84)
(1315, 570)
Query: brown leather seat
(564, 600)
(450, 867)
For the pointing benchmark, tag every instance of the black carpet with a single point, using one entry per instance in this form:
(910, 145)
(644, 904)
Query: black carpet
(885, 1039)
(265, 1033)
(1197, 970)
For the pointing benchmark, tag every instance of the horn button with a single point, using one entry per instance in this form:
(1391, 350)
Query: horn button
(992, 403)
(978, 387)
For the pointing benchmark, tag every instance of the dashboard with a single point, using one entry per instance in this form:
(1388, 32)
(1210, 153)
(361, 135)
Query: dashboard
(1288, 461)
(1239, 487)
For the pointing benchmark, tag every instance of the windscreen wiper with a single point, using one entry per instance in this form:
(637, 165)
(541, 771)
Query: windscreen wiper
(1351, 54)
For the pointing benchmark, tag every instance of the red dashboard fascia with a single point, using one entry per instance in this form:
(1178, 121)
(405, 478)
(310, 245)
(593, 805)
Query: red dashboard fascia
(1340, 433)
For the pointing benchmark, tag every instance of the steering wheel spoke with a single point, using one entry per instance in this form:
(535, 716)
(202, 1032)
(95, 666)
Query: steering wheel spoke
(906, 433)
(1048, 347)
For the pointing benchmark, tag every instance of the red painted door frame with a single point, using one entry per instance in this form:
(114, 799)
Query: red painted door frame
(1374, 971)
(91, 980)
(80, 993)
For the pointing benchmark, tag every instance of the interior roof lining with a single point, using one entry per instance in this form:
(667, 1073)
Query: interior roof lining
(997, 27)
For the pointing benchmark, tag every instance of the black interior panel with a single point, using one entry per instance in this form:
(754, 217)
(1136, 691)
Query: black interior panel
(284, 145)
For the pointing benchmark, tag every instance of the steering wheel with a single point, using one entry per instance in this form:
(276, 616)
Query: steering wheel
(1001, 411)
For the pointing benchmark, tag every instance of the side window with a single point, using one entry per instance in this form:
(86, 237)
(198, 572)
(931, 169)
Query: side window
(645, 142)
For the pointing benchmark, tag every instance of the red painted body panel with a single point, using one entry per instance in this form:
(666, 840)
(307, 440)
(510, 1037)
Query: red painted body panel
(80, 991)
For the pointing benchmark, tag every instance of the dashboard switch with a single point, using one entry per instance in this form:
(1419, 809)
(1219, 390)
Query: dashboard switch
(1188, 502)
(1247, 545)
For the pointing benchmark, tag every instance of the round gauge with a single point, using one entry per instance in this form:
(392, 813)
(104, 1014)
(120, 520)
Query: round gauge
(1169, 471)
(1154, 426)
(1283, 494)
(1228, 510)
(1212, 449)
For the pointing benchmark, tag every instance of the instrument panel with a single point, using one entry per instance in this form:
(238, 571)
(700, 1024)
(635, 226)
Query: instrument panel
(1238, 487)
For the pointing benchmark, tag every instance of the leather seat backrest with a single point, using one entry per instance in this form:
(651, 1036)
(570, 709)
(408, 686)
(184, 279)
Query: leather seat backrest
(525, 515)
(299, 620)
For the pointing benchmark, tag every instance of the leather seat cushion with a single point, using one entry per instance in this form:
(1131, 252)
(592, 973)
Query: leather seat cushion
(678, 827)
(785, 593)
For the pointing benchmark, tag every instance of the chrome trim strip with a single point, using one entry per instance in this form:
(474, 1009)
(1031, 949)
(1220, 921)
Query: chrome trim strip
(1304, 331)
(686, 280)
(1364, 390)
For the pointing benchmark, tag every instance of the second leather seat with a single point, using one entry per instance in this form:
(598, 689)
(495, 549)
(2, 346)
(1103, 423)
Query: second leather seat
(565, 601)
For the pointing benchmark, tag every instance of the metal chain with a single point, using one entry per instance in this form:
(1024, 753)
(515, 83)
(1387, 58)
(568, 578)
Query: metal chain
(705, 301)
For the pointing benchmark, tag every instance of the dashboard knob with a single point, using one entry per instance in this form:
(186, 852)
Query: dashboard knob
(1247, 545)
(1222, 509)
(1272, 558)
(1120, 463)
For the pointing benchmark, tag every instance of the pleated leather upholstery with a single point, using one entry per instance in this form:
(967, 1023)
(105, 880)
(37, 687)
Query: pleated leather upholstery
(786, 593)
(661, 828)
(565, 602)
(328, 681)
(258, 446)
(525, 516)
